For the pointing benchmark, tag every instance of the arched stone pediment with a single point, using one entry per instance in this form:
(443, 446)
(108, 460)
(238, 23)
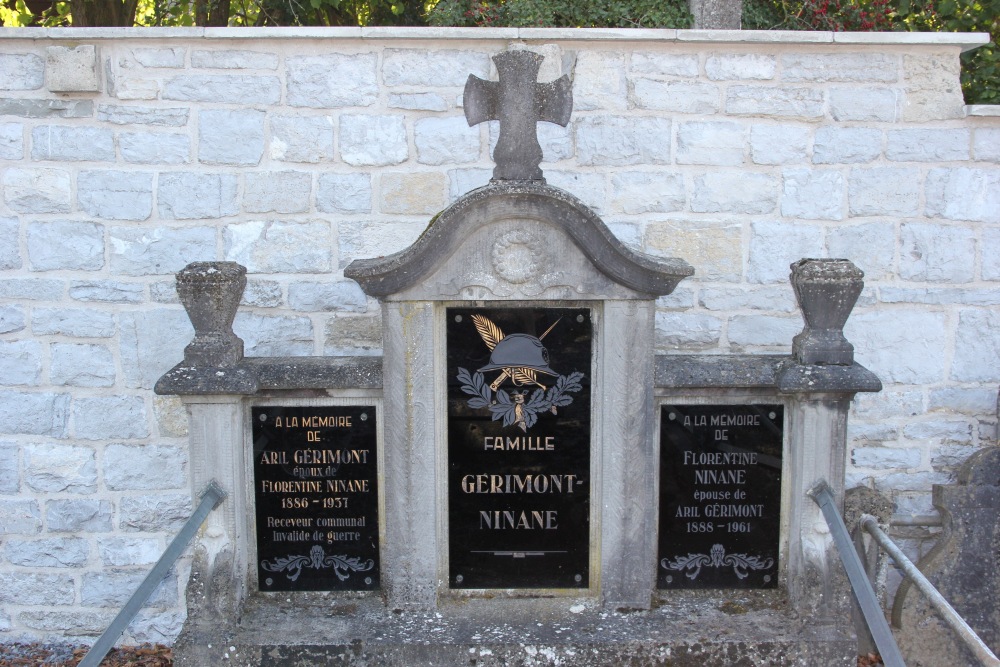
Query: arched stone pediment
(517, 240)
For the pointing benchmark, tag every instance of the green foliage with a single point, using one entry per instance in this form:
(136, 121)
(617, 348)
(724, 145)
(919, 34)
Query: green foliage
(562, 13)
(980, 67)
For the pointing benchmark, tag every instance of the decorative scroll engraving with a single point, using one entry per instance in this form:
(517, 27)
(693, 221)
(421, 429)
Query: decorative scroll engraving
(718, 557)
(318, 560)
(517, 256)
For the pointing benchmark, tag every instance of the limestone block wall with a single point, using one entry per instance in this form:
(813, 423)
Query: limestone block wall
(127, 154)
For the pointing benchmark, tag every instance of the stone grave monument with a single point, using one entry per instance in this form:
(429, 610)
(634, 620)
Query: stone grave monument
(520, 479)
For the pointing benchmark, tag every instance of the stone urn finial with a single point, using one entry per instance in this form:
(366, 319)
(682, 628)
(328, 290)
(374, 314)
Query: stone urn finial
(826, 290)
(211, 293)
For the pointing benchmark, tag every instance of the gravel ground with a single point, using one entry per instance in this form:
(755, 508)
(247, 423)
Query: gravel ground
(61, 655)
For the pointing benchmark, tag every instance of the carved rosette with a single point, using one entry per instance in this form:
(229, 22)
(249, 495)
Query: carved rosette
(518, 256)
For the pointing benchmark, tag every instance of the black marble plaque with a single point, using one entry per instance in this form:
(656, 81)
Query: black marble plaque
(315, 483)
(519, 447)
(720, 496)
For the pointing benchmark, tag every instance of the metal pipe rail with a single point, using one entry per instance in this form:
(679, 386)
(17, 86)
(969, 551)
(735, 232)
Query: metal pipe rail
(210, 499)
(863, 591)
(982, 652)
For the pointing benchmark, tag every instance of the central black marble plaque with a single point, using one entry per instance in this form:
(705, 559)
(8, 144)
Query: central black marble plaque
(519, 447)
(315, 483)
(720, 496)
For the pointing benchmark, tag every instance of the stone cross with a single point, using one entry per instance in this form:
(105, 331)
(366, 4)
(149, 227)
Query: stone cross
(518, 102)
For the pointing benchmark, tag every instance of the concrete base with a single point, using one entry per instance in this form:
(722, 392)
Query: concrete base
(317, 629)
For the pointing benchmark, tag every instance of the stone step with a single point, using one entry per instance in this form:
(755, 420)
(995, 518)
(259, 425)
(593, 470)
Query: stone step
(688, 630)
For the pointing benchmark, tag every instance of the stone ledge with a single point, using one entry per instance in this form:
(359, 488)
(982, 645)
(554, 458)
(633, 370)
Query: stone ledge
(982, 110)
(255, 374)
(760, 371)
(965, 40)
(688, 629)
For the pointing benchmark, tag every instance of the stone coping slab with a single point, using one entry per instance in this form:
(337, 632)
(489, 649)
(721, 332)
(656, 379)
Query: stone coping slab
(716, 627)
(965, 40)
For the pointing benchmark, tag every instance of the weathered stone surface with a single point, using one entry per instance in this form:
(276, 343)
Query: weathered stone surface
(974, 345)
(445, 141)
(734, 192)
(51, 552)
(687, 330)
(411, 193)
(106, 417)
(115, 195)
(333, 80)
(620, 140)
(223, 88)
(779, 144)
(965, 400)
(956, 431)
(154, 147)
(714, 247)
(936, 253)
(37, 190)
(901, 346)
(932, 89)
(327, 296)
(20, 517)
(232, 137)
(740, 66)
(53, 246)
(139, 251)
(152, 513)
(963, 194)
(590, 188)
(81, 365)
(72, 69)
(461, 181)
(267, 336)
(776, 245)
(755, 331)
(813, 194)
(71, 143)
(417, 102)
(83, 515)
(74, 623)
(140, 115)
(301, 138)
(677, 96)
(112, 588)
(599, 81)
(151, 343)
(169, 58)
(232, 59)
(35, 108)
(779, 101)
(11, 141)
(937, 145)
(171, 417)
(211, 293)
(435, 69)
(21, 71)
(718, 143)
(665, 64)
(880, 67)
(886, 458)
(134, 89)
(840, 145)
(985, 143)
(772, 298)
(34, 413)
(373, 140)
(356, 240)
(109, 291)
(277, 192)
(32, 588)
(879, 105)
(884, 191)
(871, 246)
(22, 362)
(121, 551)
(348, 336)
(344, 193)
(32, 288)
(11, 319)
(280, 247)
(193, 195)
(10, 250)
(144, 467)
(56, 468)
(635, 192)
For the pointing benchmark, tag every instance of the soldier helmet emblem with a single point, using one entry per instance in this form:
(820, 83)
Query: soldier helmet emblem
(519, 351)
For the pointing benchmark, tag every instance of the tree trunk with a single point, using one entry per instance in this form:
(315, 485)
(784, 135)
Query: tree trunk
(103, 13)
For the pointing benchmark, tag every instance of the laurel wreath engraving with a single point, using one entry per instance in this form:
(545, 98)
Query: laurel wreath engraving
(717, 557)
(516, 407)
(318, 560)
